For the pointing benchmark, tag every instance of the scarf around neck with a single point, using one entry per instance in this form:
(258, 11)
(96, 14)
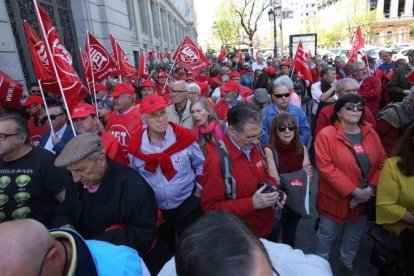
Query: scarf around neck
(289, 159)
(212, 128)
(184, 138)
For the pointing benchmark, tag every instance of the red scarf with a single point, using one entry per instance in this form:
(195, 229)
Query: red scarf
(289, 158)
(212, 127)
(184, 138)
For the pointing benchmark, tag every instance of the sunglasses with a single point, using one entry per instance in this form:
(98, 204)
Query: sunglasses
(279, 96)
(234, 78)
(352, 106)
(283, 128)
(53, 117)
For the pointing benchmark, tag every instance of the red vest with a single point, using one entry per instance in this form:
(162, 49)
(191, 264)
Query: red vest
(37, 132)
(122, 127)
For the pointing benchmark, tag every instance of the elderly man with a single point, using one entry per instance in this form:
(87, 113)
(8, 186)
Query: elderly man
(246, 200)
(369, 86)
(259, 63)
(281, 99)
(85, 120)
(216, 80)
(286, 80)
(147, 88)
(169, 158)
(63, 132)
(392, 120)
(244, 91)
(38, 124)
(30, 186)
(162, 88)
(399, 86)
(106, 201)
(230, 92)
(179, 112)
(61, 252)
(343, 86)
(125, 120)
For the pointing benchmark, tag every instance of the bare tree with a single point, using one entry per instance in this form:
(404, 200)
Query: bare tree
(249, 12)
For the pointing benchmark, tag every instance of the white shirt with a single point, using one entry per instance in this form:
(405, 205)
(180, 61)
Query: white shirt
(316, 92)
(259, 66)
(49, 145)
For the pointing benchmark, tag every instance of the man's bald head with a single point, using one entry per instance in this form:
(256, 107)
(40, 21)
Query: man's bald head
(24, 243)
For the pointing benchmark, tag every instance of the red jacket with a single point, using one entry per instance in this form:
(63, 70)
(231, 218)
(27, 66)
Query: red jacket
(315, 74)
(370, 91)
(339, 173)
(388, 135)
(327, 111)
(248, 175)
(221, 108)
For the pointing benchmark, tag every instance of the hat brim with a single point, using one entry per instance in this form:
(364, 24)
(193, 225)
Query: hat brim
(154, 108)
(117, 94)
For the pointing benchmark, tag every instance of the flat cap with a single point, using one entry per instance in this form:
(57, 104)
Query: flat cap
(78, 148)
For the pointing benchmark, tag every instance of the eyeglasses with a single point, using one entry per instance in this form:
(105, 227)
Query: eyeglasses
(361, 69)
(175, 92)
(352, 106)
(4, 136)
(254, 137)
(279, 96)
(53, 117)
(282, 128)
(234, 78)
(351, 91)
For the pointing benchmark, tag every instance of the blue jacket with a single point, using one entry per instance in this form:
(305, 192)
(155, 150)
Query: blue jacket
(270, 111)
(67, 135)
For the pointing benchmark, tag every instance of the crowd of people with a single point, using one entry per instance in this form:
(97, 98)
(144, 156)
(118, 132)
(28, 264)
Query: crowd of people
(206, 165)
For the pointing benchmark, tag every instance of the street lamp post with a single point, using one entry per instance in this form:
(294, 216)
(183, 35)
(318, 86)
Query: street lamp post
(272, 17)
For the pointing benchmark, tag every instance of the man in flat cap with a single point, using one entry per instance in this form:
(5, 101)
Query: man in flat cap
(399, 86)
(85, 120)
(106, 201)
(125, 119)
(169, 158)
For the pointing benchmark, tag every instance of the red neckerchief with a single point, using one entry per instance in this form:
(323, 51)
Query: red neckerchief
(184, 138)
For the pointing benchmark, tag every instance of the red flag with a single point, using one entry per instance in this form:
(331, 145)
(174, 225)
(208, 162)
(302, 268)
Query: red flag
(300, 64)
(222, 54)
(124, 66)
(190, 56)
(73, 89)
(142, 68)
(103, 66)
(10, 91)
(85, 67)
(356, 45)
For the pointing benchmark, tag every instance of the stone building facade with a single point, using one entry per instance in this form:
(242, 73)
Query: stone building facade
(135, 24)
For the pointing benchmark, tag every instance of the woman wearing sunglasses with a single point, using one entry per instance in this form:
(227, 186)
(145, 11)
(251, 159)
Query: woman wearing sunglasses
(350, 157)
(292, 156)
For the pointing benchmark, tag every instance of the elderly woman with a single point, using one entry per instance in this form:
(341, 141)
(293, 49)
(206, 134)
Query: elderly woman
(395, 196)
(294, 97)
(208, 128)
(350, 157)
(292, 156)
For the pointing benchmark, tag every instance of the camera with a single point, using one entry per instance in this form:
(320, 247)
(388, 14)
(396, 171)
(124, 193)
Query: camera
(271, 189)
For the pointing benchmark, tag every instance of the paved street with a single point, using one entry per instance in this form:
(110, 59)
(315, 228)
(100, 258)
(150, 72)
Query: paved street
(306, 241)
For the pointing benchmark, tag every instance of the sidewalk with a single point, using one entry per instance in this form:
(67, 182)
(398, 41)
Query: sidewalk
(305, 240)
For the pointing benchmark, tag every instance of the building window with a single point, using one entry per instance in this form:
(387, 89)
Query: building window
(155, 19)
(144, 16)
(164, 28)
(170, 23)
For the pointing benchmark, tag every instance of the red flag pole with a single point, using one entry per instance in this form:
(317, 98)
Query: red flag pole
(52, 61)
(46, 108)
(93, 77)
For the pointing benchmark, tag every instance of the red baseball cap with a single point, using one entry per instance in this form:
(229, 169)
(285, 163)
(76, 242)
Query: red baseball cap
(235, 74)
(100, 87)
(32, 100)
(152, 103)
(123, 89)
(230, 86)
(162, 75)
(285, 63)
(82, 110)
(271, 71)
(147, 83)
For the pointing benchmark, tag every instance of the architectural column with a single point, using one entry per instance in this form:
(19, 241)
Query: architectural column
(408, 8)
(380, 7)
(394, 9)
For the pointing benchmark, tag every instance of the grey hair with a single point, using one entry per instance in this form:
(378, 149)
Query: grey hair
(354, 66)
(279, 85)
(21, 124)
(340, 83)
(207, 106)
(243, 113)
(195, 86)
(180, 83)
(285, 81)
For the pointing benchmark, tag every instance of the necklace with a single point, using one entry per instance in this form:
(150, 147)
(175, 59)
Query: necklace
(65, 268)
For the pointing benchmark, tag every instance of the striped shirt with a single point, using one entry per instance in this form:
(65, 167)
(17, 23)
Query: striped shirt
(188, 163)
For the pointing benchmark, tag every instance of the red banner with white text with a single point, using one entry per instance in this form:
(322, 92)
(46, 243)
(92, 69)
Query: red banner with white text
(190, 56)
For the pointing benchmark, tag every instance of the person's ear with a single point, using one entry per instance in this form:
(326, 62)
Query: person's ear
(53, 262)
